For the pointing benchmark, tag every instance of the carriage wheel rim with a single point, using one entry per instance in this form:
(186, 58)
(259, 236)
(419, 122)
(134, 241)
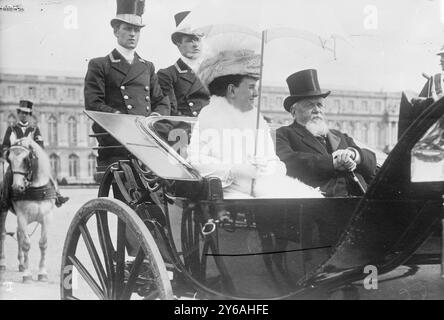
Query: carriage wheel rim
(111, 285)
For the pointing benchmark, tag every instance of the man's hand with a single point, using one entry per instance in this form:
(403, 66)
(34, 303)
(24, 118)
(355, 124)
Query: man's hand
(343, 160)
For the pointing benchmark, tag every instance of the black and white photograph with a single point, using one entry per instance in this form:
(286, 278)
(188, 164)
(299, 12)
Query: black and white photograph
(200, 150)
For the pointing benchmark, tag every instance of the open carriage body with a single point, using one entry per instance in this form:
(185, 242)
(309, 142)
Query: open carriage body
(175, 235)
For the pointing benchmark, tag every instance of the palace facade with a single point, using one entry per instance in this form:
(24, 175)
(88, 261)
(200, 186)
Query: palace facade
(370, 117)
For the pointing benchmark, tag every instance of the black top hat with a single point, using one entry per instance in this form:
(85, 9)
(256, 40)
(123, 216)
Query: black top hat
(303, 84)
(183, 30)
(129, 11)
(25, 106)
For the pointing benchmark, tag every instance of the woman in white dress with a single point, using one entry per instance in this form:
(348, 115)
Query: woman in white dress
(223, 140)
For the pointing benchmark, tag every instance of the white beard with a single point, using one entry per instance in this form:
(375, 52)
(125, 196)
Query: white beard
(317, 127)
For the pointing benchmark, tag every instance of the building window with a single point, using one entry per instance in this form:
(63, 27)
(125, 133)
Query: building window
(55, 165)
(337, 106)
(52, 92)
(378, 106)
(71, 93)
(72, 131)
(32, 92)
(12, 120)
(52, 131)
(74, 166)
(382, 136)
(365, 106)
(364, 133)
(11, 91)
(351, 106)
(91, 165)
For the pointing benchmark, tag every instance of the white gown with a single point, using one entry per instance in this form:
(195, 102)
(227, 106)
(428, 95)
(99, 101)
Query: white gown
(222, 145)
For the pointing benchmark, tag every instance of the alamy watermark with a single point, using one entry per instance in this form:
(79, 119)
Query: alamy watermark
(371, 281)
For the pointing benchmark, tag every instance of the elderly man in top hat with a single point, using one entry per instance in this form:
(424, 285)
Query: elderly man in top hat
(179, 82)
(123, 82)
(317, 155)
(21, 129)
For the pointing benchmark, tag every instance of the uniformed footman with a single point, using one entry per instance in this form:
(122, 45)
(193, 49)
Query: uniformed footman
(123, 82)
(179, 82)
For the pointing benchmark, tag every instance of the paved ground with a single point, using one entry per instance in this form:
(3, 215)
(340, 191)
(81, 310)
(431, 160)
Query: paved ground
(425, 284)
(12, 286)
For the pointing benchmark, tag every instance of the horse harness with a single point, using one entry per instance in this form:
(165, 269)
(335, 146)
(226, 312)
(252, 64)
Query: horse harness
(45, 192)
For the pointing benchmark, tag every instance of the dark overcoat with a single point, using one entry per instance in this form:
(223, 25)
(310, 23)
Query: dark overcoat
(307, 159)
(186, 92)
(21, 131)
(112, 84)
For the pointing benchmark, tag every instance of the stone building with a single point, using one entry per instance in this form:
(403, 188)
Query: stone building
(58, 111)
(370, 117)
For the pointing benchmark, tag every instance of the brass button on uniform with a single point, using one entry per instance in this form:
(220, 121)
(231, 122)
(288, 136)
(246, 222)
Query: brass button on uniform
(148, 108)
(194, 113)
(191, 103)
(147, 88)
(125, 97)
(129, 107)
(147, 98)
(122, 87)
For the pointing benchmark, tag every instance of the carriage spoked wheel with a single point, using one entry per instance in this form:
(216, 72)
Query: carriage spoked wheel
(109, 253)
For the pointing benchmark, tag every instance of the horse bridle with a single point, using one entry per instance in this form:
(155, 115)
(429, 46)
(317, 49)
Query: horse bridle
(29, 173)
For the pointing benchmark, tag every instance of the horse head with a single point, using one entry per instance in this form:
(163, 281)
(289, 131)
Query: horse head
(23, 162)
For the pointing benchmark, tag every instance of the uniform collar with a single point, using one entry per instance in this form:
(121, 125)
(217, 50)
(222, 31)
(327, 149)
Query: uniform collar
(128, 54)
(21, 124)
(184, 64)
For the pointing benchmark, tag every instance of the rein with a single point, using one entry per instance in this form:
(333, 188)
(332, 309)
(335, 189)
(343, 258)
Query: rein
(28, 174)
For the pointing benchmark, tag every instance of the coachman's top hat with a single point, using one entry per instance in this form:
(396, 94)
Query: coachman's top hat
(303, 84)
(183, 29)
(129, 11)
(25, 106)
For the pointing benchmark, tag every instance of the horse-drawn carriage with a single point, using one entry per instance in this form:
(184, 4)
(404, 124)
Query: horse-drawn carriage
(168, 232)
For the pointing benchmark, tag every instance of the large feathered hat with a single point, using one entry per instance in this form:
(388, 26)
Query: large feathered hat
(230, 62)
(129, 11)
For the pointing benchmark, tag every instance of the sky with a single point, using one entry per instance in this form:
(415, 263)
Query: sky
(380, 45)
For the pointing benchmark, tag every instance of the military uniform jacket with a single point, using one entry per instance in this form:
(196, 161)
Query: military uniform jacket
(307, 159)
(20, 131)
(112, 84)
(186, 92)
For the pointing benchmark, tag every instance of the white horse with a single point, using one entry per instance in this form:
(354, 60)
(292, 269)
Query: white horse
(33, 199)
